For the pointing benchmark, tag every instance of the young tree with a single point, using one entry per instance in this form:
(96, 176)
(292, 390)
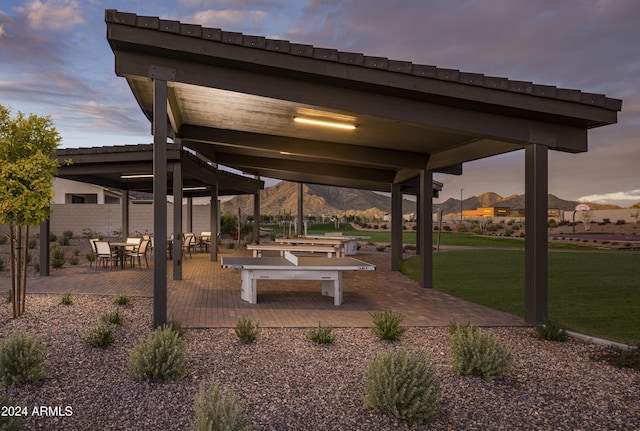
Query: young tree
(28, 164)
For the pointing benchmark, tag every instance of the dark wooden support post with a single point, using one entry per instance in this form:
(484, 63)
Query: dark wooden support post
(160, 77)
(418, 212)
(125, 214)
(396, 226)
(300, 225)
(45, 253)
(536, 241)
(190, 215)
(214, 223)
(425, 228)
(177, 221)
(256, 217)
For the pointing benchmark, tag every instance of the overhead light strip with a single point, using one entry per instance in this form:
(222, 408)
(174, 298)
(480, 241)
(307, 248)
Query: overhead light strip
(134, 176)
(344, 126)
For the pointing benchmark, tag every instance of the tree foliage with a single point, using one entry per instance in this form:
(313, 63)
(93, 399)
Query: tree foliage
(28, 164)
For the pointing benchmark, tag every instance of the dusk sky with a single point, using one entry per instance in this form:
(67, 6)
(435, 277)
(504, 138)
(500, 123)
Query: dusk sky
(55, 60)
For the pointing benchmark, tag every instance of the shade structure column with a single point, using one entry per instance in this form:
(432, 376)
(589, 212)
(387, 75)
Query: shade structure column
(189, 214)
(396, 226)
(300, 224)
(125, 214)
(159, 199)
(177, 221)
(214, 217)
(535, 240)
(45, 252)
(425, 228)
(256, 217)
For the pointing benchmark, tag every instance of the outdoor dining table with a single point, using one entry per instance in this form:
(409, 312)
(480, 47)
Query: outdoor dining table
(121, 247)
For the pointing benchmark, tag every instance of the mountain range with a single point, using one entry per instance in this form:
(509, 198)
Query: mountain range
(319, 200)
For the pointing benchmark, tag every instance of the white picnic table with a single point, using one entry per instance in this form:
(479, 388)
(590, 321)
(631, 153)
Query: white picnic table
(291, 267)
(346, 246)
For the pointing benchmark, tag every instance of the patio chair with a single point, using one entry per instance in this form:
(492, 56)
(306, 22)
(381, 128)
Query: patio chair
(188, 242)
(104, 254)
(205, 241)
(140, 252)
(132, 248)
(94, 253)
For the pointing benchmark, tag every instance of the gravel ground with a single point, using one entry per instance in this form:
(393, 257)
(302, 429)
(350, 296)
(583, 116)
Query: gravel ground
(286, 382)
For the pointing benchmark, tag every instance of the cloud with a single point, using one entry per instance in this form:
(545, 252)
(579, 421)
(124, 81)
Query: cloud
(227, 18)
(627, 196)
(52, 14)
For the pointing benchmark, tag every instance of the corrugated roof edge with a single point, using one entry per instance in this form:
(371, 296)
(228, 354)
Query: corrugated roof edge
(332, 55)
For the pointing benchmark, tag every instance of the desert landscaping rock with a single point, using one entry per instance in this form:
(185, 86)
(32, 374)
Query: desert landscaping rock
(286, 382)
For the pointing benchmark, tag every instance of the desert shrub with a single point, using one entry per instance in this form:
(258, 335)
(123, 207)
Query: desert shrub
(100, 335)
(74, 260)
(21, 359)
(121, 300)
(53, 237)
(90, 257)
(321, 334)
(64, 240)
(386, 325)
(550, 330)
(246, 330)
(381, 248)
(112, 317)
(177, 327)
(462, 228)
(404, 385)
(620, 222)
(218, 410)
(3, 239)
(508, 231)
(159, 357)
(67, 234)
(75, 251)
(32, 243)
(476, 230)
(57, 257)
(1, 264)
(8, 422)
(476, 352)
(66, 298)
(447, 228)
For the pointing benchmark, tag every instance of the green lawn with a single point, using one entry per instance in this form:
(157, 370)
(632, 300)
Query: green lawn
(591, 293)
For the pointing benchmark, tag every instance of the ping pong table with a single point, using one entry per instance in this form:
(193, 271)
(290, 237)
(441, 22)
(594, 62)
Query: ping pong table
(291, 267)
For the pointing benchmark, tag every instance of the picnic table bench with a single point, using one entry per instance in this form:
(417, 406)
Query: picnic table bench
(257, 249)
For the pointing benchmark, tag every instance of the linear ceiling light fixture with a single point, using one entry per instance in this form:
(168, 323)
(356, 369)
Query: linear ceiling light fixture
(305, 120)
(134, 176)
(194, 188)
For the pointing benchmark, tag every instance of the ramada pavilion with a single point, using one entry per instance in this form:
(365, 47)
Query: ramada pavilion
(278, 109)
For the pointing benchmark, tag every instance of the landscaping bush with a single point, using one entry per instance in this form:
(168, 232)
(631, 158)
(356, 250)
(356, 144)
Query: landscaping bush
(404, 385)
(159, 357)
(21, 359)
(462, 228)
(620, 357)
(9, 422)
(57, 257)
(121, 300)
(100, 336)
(113, 317)
(321, 335)
(177, 327)
(247, 331)
(550, 330)
(66, 298)
(1, 264)
(476, 352)
(218, 410)
(386, 325)
(32, 243)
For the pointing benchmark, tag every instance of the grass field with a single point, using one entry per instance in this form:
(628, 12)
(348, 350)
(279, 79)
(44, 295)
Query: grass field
(591, 293)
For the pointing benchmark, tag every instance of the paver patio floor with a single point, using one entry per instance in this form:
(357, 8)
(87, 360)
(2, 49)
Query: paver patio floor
(209, 296)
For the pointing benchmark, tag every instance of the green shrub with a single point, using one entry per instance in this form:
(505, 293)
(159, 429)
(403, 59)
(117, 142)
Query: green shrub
(57, 257)
(75, 251)
(218, 410)
(476, 352)
(67, 234)
(404, 385)
(3, 238)
(177, 327)
(113, 317)
(32, 243)
(321, 334)
(8, 422)
(381, 248)
(64, 240)
(386, 325)
(1, 264)
(66, 298)
(53, 237)
(100, 336)
(21, 359)
(159, 357)
(550, 331)
(90, 257)
(121, 300)
(461, 228)
(246, 330)
(74, 261)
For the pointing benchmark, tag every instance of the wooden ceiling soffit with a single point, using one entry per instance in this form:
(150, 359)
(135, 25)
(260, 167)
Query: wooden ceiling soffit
(470, 151)
(310, 148)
